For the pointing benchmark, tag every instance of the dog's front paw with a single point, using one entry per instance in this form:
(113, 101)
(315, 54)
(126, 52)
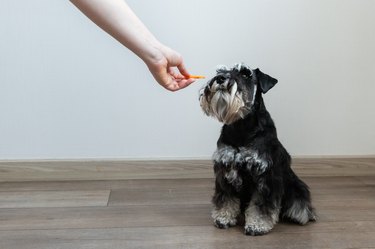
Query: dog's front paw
(225, 218)
(255, 230)
(252, 160)
(223, 224)
(225, 155)
(224, 221)
(259, 227)
(257, 223)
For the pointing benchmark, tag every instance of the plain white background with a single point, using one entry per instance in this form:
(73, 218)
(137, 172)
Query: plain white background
(68, 90)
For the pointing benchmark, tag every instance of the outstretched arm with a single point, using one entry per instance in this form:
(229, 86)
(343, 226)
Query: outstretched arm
(117, 19)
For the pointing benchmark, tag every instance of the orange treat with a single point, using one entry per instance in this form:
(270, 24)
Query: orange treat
(196, 77)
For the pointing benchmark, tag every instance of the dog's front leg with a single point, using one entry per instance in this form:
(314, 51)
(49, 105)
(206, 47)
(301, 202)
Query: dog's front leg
(226, 210)
(263, 210)
(226, 204)
(260, 218)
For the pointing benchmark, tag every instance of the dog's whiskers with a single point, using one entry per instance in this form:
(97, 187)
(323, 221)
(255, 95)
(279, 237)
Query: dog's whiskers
(225, 104)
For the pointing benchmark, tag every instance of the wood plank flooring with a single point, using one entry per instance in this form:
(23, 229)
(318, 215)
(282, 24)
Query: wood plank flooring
(167, 205)
(170, 169)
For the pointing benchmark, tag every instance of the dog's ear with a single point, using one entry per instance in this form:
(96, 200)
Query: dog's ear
(266, 82)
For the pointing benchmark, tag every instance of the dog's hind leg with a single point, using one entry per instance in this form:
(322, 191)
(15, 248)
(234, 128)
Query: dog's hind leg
(296, 204)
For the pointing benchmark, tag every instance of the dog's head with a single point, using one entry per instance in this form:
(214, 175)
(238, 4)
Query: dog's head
(232, 93)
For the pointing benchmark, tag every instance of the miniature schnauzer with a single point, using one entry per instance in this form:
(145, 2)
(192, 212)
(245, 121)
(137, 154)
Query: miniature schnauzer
(252, 168)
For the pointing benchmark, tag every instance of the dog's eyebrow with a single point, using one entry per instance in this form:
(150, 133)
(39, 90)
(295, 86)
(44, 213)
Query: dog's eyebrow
(221, 68)
(222, 71)
(248, 70)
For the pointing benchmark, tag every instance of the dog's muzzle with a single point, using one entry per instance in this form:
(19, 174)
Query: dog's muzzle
(220, 98)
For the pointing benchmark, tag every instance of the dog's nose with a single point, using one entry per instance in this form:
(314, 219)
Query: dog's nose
(220, 79)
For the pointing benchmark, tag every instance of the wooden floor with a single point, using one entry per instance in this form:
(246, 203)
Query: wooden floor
(74, 205)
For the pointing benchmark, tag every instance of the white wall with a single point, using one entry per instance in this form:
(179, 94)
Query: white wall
(68, 90)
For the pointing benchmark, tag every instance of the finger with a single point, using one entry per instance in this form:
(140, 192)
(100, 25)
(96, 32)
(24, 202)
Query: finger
(180, 76)
(185, 83)
(173, 73)
(177, 75)
(178, 85)
(183, 69)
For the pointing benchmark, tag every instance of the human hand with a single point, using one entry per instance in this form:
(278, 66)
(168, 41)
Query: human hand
(168, 69)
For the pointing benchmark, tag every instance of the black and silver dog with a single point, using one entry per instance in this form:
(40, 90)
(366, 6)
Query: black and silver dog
(252, 168)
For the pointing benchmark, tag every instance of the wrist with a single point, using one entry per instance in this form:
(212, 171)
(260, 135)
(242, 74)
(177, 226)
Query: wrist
(153, 53)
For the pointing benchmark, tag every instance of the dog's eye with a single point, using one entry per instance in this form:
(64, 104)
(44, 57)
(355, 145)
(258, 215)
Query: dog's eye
(220, 79)
(245, 75)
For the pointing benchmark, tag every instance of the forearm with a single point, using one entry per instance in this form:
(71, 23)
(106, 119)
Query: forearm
(117, 19)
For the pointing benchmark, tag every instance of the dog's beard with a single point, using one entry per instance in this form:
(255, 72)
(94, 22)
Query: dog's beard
(226, 105)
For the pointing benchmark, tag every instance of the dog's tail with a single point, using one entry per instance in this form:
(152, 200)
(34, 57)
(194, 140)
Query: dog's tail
(296, 203)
